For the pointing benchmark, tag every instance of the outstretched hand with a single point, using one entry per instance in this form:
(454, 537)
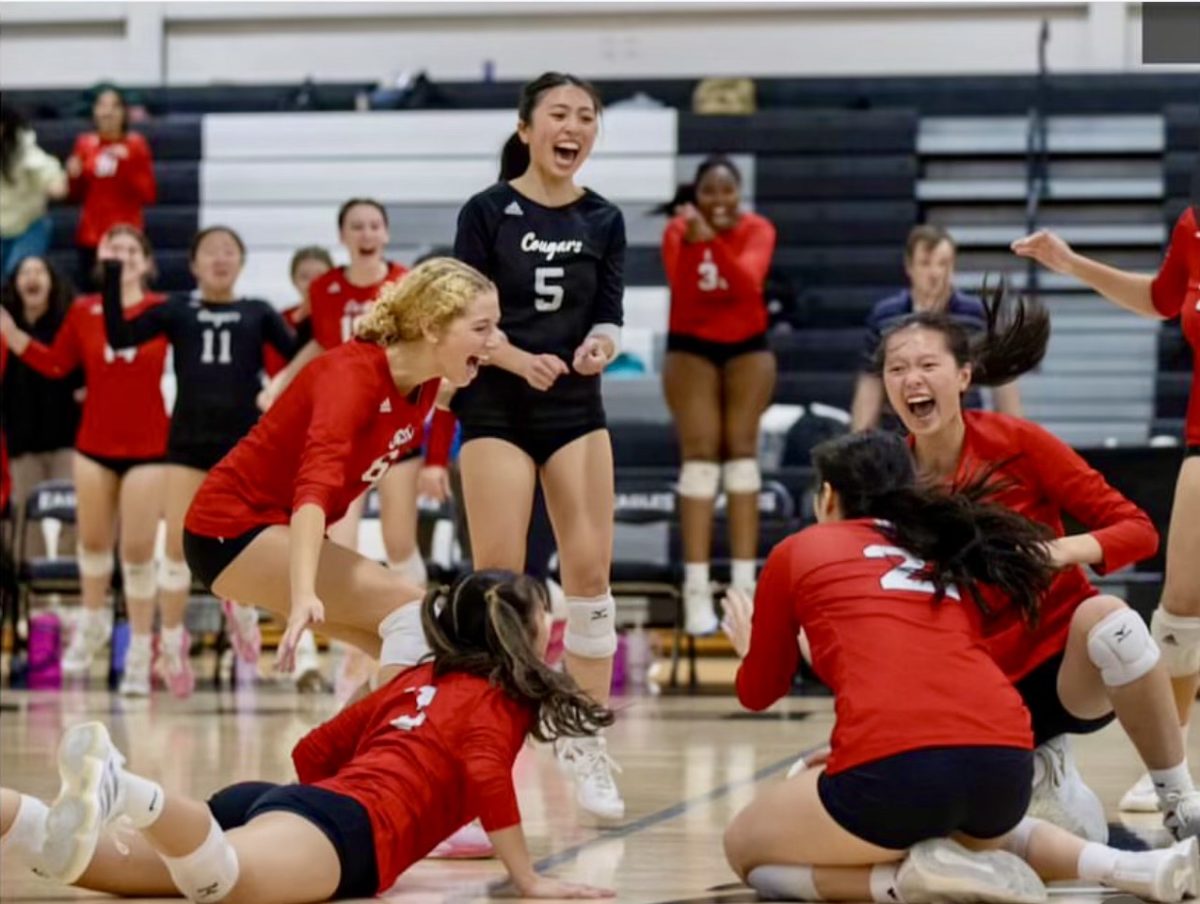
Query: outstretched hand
(1047, 249)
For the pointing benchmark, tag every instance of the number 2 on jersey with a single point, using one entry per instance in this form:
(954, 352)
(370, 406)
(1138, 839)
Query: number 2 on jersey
(905, 575)
(549, 296)
(221, 343)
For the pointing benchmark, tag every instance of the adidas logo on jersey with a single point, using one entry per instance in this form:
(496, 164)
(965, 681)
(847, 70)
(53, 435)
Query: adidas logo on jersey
(514, 209)
(386, 407)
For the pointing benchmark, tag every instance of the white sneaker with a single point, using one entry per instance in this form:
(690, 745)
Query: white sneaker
(1182, 816)
(89, 639)
(588, 762)
(92, 796)
(470, 842)
(1060, 795)
(699, 617)
(1141, 798)
(1168, 875)
(135, 681)
(943, 870)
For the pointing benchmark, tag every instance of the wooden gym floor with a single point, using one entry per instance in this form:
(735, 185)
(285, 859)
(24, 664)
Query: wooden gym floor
(689, 764)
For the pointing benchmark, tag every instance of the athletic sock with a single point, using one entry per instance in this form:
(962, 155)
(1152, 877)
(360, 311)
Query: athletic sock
(1172, 784)
(695, 576)
(143, 800)
(22, 843)
(1097, 862)
(777, 882)
(742, 573)
(172, 638)
(883, 883)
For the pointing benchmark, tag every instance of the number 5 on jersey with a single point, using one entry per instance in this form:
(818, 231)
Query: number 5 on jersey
(549, 296)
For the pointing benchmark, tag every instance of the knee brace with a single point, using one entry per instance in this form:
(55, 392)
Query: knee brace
(1121, 647)
(1017, 841)
(591, 626)
(174, 576)
(741, 475)
(209, 873)
(699, 479)
(411, 569)
(1178, 637)
(403, 636)
(139, 579)
(94, 564)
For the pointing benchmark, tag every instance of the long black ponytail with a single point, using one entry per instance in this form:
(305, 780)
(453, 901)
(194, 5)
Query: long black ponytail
(514, 157)
(963, 540)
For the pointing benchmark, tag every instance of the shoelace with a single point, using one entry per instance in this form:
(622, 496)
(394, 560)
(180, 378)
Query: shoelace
(597, 765)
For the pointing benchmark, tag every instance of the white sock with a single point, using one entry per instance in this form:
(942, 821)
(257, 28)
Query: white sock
(403, 637)
(141, 643)
(1097, 862)
(1171, 784)
(741, 573)
(1017, 841)
(412, 569)
(96, 617)
(778, 882)
(172, 638)
(695, 576)
(883, 883)
(247, 616)
(22, 843)
(143, 800)
(307, 643)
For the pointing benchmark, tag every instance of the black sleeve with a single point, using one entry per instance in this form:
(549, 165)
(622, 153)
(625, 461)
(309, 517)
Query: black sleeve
(473, 238)
(610, 286)
(277, 332)
(124, 333)
(303, 335)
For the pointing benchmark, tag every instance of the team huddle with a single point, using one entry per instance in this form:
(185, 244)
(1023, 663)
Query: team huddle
(938, 595)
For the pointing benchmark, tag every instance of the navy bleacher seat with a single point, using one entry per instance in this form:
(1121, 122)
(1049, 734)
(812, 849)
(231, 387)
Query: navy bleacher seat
(831, 388)
(170, 226)
(840, 266)
(638, 444)
(843, 306)
(793, 177)
(1174, 352)
(801, 131)
(174, 138)
(837, 222)
(818, 349)
(1171, 394)
(174, 273)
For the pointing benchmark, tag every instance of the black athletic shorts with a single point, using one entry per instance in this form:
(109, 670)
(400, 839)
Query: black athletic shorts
(207, 557)
(539, 443)
(119, 466)
(1039, 690)
(201, 456)
(900, 800)
(719, 353)
(342, 819)
(1191, 452)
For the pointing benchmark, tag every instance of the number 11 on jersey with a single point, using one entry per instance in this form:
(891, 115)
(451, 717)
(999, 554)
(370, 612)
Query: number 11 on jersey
(221, 344)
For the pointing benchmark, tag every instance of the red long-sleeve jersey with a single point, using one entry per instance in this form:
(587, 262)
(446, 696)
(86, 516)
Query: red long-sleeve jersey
(124, 415)
(117, 182)
(273, 361)
(906, 673)
(423, 755)
(717, 286)
(333, 433)
(1176, 293)
(1043, 478)
(337, 303)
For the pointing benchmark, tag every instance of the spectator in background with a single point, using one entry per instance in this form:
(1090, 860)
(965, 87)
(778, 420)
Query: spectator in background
(929, 263)
(41, 414)
(112, 176)
(307, 264)
(29, 177)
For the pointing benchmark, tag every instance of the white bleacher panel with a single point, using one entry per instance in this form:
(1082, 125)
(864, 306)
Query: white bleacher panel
(1106, 234)
(647, 307)
(977, 135)
(1058, 189)
(425, 181)
(421, 134)
(266, 272)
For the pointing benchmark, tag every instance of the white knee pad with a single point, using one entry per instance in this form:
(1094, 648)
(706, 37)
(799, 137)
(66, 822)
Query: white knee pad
(1017, 841)
(1121, 647)
(209, 873)
(139, 579)
(174, 576)
(1178, 637)
(94, 564)
(699, 479)
(591, 626)
(403, 637)
(411, 569)
(741, 475)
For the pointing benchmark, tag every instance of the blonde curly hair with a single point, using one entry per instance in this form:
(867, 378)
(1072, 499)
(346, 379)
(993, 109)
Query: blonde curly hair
(428, 297)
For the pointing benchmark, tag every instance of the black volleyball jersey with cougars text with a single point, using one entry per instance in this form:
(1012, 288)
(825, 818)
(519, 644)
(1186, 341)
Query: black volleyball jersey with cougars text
(559, 271)
(218, 349)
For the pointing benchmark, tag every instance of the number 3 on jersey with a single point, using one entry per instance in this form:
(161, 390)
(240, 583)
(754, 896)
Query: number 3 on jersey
(905, 575)
(549, 296)
(217, 348)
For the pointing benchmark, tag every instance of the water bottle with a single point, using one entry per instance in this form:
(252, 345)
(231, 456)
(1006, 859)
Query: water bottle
(638, 658)
(120, 646)
(620, 658)
(44, 670)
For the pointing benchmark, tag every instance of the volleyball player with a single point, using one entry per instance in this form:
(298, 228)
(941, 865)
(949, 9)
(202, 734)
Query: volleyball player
(379, 785)
(718, 375)
(931, 742)
(217, 338)
(556, 252)
(255, 532)
(119, 449)
(306, 265)
(1173, 292)
(1091, 656)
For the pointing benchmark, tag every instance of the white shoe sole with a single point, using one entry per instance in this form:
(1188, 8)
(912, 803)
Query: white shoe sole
(594, 819)
(1183, 879)
(73, 825)
(940, 870)
(1140, 798)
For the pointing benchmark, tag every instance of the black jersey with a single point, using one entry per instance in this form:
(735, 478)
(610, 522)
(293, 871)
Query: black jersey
(559, 271)
(218, 351)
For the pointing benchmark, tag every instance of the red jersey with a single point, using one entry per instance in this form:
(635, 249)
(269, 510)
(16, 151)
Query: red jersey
(337, 303)
(116, 183)
(1176, 293)
(1047, 479)
(273, 362)
(423, 755)
(333, 433)
(717, 286)
(124, 415)
(906, 674)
